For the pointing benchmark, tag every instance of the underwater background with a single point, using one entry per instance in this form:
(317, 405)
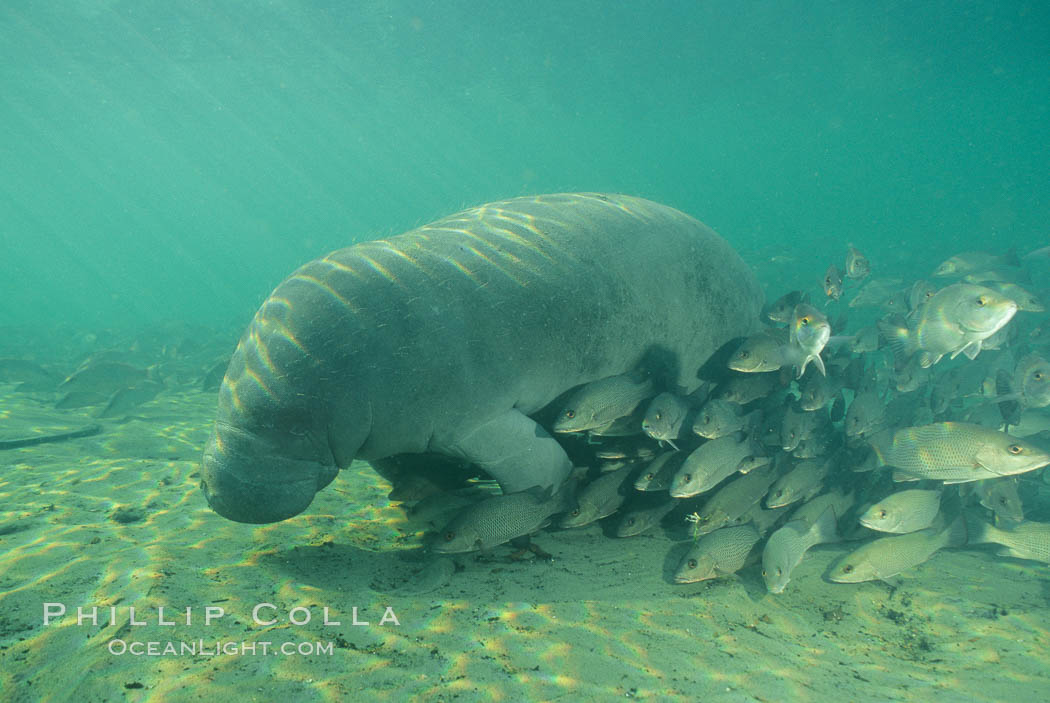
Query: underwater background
(167, 164)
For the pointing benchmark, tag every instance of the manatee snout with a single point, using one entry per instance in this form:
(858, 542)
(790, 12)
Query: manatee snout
(244, 480)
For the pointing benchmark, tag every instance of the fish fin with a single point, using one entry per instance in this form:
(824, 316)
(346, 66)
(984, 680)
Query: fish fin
(956, 534)
(819, 363)
(900, 476)
(673, 445)
(971, 350)
(928, 359)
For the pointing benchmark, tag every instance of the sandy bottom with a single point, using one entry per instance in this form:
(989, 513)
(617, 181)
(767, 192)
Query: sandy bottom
(117, 521)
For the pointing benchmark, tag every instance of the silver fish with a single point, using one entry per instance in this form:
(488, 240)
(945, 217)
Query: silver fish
(721, 553)
(956, 452)
(857, 265)
(904, 511)
(810, 331)
(832, 283)
(596, 405)
(786, 547)
(802, 482)
(759, 353)
(500, 519)
(733, 500)
(710, 464)
(888, 556)
(665, 417)
(598, 499)
(1029, 540)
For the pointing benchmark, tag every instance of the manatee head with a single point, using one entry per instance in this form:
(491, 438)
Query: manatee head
(259, 478)
(269, 452)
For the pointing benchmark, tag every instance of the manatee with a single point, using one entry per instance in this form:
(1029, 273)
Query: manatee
(449, 338)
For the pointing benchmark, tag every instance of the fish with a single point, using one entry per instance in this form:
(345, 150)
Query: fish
(810, 331)
(812, 509)
(1029, 540)
(785, 548)
(13, 370)
(954, 321)
(876, 292)
(799, 425)
(1001, 496)
(665, 417)
(866, 340)
(598, 499)
(886, 557)
(956, 452)
(759, 353)
(921, 291)
(816, 391)
(1026, 301)
(104, 377)
(721, 553)
(639, 520)
(904, 511)
(782, 308)
(733, 500)
(710, 464)
(802, 482)
(865, 414)
(833, 282)
(658, 475)
(127, 399)
(595, 405)
(718, 418)
(746, 388)
(857, 265)
(971, 261)
(80, 399)
(499, 519)
(1029, 383)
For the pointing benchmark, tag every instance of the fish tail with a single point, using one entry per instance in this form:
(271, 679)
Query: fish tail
(900, 339)
(956, 534)
(826, 528)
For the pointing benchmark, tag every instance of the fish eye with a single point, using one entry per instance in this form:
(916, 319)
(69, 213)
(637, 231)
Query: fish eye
(707, 419)
(1038, 375)
(804, 320)
(449, 536)
(630, 521)
(570, 414)
(691, 563)
(981, 301)
(763, 572)
(686, 478)
(745, 354)
(1015, 449)
(650, 476)
(882, 513)
(848, 568)
(658, 416)
(779, 571)
(575, 513)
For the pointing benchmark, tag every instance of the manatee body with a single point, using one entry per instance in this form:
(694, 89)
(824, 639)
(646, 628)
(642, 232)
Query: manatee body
(447, 338)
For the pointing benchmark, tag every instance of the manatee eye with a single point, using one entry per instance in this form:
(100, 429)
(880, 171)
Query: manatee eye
(449, 536)
(1015, 449)
(691, 563)
(570, 414)
(981, 301)
(848, 568)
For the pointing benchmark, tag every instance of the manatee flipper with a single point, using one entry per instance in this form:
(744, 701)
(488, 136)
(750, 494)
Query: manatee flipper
(515, 451)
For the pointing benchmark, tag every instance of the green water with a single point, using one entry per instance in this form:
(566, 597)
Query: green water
(174, 160)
